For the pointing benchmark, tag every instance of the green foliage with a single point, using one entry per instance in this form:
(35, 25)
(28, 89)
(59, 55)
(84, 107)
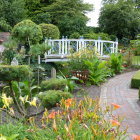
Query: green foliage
(39, 49)
(115, 63)
(135, 60)
(14, 73)
(4, 26)
(135, 44)
(77, 60)
(120, 18)
(98, 71)
(50, 30)
(103, 36)
(18, 130)
(70, 85)
(135, 81)
(69, 16)
(22, 89)
(41, 17)
(69, 123)
(75, 35)
(27, 31)
(12, 11)
(53, 84)
(52, 97)
(9, 51)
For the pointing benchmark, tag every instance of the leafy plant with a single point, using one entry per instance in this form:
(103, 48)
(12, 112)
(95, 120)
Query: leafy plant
(50, 30)
(53, 84)
(82, 120)
(75, 35)
(70, 82)
(115, 63)
(98, 71)
(4, 26)
(27, 32)
(77, 60)
(24, 88)
(135, 47)
(39, 49)
(52, 97)
(15, 73)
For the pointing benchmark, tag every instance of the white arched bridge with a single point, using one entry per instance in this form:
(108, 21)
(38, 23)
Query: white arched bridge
(62, 48)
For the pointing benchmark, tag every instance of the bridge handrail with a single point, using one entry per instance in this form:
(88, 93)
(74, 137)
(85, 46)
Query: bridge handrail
(64, 45)
(105, 41)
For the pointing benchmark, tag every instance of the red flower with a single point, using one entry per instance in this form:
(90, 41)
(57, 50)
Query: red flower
(115, 106)
(52, 115)
(114, 123)
(135, 137)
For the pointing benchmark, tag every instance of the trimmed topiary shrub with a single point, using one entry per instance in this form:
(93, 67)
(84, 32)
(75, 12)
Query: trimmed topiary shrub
(50, 30)
(14, 73)
(27, 31)
(53, 84)
(52, 97)
(135, 81)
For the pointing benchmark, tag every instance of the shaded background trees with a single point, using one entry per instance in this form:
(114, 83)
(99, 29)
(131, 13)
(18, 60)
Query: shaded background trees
(121, 18)
(12, 11)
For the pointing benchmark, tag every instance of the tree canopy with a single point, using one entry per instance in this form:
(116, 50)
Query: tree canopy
(121, 18)
(13, 11)
(68, 15)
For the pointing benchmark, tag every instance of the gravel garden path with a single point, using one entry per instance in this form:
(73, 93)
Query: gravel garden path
(117, 90)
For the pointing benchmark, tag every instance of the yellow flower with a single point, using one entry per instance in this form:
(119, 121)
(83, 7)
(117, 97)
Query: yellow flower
(33, 102)
(24, 99)
(6, 100)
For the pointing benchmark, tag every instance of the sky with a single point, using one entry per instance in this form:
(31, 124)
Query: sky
(94, 15)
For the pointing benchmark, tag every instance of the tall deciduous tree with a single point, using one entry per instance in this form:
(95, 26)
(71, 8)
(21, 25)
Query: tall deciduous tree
(13, 11)
(120, 18)
(69, 15)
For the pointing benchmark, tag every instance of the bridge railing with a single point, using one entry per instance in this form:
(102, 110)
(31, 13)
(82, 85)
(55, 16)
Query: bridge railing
(68, 46)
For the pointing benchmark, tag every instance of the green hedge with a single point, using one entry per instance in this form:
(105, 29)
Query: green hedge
(15, 73)
(53, 84)
(52, 97)
(135, 81)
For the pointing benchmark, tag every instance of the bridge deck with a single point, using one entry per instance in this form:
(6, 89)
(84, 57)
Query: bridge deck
(64, 58)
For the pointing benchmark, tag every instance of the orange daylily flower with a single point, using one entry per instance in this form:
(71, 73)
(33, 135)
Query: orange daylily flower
(68, 103)
(115, 106)
(52, 115)
(114, 123)
(135, 137)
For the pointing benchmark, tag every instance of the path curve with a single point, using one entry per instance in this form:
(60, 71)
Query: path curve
(117, 90)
